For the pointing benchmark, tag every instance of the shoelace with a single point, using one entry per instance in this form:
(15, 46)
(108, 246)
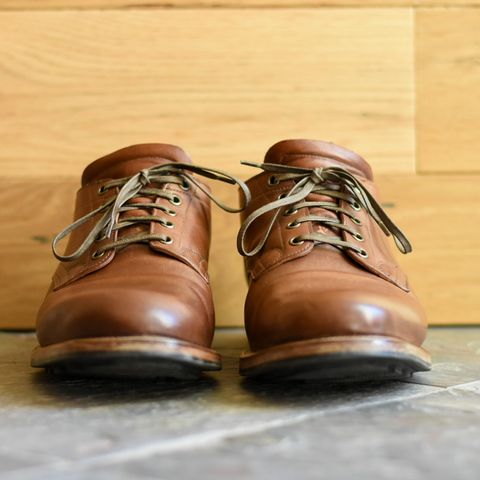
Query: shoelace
(334, 182)
(142, 185)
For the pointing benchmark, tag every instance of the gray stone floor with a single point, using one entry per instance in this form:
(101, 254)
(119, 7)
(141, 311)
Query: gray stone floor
(224, 428)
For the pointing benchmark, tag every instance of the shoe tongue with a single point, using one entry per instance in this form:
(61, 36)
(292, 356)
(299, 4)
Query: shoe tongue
(130, 160)
(317, 154)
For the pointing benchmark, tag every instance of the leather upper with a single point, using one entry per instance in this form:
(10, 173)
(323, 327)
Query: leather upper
(141, 289)
(299, 292)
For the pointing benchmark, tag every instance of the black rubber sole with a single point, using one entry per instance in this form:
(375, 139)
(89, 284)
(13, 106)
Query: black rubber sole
(126, 357)
(340, 367)
(125, 365)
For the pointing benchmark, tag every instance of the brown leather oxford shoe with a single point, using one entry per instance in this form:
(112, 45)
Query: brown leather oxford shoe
(131, 296)
(326, 298)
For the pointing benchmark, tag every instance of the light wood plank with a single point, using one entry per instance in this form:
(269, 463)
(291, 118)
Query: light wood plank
(448, 92)
(89, 4)
(443, 268)
(40, 209)
(436, 213)
(78, 83)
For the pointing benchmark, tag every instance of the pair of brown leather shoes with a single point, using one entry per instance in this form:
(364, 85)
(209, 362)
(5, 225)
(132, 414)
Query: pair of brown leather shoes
(131, 295)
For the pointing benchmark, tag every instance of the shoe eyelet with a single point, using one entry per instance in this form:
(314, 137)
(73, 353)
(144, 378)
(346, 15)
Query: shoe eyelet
(167, 240)
(290, 211)
(185, 185)
(293, 224)
(102, 190)
(273, 180)
(176, 200)
(356, 221)
(282, 195)
(97, 254)
(167, 224)
(172, 213)
(100, 237)
(295, 241)
(363, 254)
(356, 206)
(358, 237)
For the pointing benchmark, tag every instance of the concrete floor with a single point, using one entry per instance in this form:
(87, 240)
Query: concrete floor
(223, 428)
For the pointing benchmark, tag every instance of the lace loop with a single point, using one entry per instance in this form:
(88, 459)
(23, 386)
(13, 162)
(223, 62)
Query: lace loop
(130, 187)
(314, 180)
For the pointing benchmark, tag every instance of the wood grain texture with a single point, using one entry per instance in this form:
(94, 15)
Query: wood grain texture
(78, 83)
(27, 264)
(443, 267)
(225, 83)
(436, 213)
(128, 4)
(448, 89)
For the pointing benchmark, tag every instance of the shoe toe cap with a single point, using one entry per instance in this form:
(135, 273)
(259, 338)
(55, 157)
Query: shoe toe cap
(324, 307)
(108, 311)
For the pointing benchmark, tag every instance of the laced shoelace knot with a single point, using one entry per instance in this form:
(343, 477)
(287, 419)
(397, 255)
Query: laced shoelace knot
(143, 184)
(333, 182)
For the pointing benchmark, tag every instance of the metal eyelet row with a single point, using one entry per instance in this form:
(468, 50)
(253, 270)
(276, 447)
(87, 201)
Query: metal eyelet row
(175, 200)
(358, 236)
(295, 241)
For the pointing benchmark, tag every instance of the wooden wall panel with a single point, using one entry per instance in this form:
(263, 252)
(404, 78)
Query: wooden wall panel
(79, 79)
(76, 84)
(448, 89)
(442, 267)
(436, 213)
(92, 4)
(40, 210)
